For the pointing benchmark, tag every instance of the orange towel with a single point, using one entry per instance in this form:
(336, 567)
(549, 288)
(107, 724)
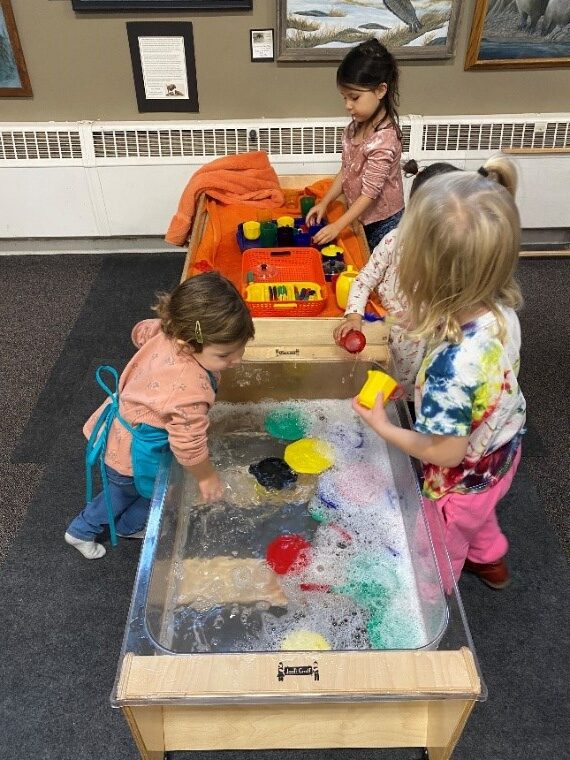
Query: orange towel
(247, 178)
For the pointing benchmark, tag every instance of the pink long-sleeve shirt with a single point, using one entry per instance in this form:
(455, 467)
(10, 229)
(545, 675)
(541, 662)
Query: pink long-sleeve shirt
(372, 168)
(162, 386)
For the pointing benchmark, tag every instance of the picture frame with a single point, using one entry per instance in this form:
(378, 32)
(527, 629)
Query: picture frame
(413, 29)
(161, 5)
(501, 37)
(14, 79)
(164, 66)
(262, 45)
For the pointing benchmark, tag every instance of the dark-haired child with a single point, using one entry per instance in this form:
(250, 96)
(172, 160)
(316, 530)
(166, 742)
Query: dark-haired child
(169, 384)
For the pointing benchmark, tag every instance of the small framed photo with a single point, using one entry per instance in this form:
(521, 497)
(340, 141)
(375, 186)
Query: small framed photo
(262, 45)
(164, 67)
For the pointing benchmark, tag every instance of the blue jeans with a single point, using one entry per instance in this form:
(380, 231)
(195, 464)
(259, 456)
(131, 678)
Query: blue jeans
(130, 509)
(375, 231)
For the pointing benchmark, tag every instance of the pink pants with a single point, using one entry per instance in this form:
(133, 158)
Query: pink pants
(470, 526)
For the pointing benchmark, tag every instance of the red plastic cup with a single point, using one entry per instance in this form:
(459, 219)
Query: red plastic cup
(353, 341)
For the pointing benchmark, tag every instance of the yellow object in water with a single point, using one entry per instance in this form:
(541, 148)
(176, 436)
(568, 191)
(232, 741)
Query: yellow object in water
(305, 640)
(309, 455)
(376, 382)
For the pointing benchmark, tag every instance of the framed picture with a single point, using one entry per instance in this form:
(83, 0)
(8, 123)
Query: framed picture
(160, 5)
(164, 67)
(261, 45)
(504, 36)
(325, 30)
(14, 79)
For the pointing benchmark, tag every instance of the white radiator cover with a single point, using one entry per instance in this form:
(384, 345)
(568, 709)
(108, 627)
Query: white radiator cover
(97, 179)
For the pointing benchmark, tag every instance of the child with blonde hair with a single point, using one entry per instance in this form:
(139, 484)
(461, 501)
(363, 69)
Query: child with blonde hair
(459, 243)
(165, 390)
(370, 177)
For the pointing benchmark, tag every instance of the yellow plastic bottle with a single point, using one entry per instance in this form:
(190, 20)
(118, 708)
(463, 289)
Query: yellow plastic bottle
(345, 280)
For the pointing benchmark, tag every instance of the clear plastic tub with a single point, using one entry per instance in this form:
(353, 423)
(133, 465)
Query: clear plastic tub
(189, 644)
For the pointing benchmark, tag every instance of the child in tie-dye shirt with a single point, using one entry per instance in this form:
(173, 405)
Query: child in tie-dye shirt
(459, 242)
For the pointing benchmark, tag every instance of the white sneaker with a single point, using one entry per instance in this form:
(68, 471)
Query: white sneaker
(89, 549)
(138, 534)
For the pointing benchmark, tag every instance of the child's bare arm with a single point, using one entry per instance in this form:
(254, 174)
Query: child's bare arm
(333, 230)
(209, 483)
(441, 450)
(317, 212)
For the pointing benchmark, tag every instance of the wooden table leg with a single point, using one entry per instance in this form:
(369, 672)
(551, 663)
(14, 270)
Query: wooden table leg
(147, 728)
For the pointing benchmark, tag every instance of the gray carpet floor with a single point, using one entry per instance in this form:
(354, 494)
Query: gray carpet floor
(63, 617)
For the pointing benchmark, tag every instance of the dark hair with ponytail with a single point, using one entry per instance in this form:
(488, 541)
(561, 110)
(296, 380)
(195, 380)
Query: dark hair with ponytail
(366, 67)
(411, 168)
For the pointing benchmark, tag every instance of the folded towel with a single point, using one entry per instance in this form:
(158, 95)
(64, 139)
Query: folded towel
(247, 178)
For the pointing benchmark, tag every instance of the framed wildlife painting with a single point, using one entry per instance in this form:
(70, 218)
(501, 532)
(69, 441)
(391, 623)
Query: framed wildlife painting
(160, 5)
(318, 30)
(519, 33)
(14, 79)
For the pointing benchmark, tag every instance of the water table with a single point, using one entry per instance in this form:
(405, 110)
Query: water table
(359, 642)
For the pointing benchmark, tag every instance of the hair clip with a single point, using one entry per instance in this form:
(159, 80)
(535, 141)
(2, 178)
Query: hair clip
(482, 171)
(198, 333)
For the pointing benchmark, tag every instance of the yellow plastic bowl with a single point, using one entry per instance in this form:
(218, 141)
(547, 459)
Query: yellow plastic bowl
(285, 221)
(309, 455)
(305, 640)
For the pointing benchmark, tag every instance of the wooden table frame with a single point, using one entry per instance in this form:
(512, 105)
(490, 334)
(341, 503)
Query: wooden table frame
(403, 699)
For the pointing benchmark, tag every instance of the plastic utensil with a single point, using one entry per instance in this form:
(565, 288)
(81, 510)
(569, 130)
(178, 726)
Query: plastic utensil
(376, 382)
(345, 280)
(251, 230)
(353, 341)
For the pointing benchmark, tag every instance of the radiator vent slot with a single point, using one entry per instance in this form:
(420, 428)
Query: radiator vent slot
(169, 143)
(179, 143)
(31, 144)
(495, 136)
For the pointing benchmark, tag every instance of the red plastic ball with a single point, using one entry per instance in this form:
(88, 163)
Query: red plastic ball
(288, 553)
(354, 341)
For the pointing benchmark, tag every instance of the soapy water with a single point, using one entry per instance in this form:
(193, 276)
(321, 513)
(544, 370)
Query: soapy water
(357, 590)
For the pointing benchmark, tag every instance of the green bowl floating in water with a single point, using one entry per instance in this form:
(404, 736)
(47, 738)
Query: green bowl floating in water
(286, 423)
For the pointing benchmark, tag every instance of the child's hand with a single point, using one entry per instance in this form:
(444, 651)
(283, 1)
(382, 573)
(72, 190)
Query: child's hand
(375, 417)
(350, 322)
(211, 487)
(327, 234)
(315, 214)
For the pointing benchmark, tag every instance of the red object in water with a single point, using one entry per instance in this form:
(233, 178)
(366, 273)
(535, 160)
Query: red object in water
(288, 552)
(353, 341)
(324, 587)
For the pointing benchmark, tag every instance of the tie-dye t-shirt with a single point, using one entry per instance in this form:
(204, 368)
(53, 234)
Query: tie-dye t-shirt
(471, 389)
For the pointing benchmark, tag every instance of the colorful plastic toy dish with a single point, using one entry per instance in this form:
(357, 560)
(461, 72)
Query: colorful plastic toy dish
(309, 455)
(353, 341)
(304, 640)
(376, 382)
(273, 473)
(251, 230)
(286, 424)
(342, 288)
(288, 553)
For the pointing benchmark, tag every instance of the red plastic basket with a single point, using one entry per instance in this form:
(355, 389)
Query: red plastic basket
(287, 266)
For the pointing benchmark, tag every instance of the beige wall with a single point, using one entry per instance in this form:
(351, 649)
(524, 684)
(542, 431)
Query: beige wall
(80, 68)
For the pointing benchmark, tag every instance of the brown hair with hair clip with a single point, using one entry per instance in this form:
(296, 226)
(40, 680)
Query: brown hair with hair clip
(205, 310)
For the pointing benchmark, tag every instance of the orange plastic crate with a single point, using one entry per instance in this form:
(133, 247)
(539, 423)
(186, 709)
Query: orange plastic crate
(295, 265)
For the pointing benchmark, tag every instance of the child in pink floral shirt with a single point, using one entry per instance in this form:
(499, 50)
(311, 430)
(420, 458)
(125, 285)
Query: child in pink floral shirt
(169, 384)
(370, 177)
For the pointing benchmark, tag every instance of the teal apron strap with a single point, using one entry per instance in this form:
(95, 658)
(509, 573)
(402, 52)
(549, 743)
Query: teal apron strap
(97, 444)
